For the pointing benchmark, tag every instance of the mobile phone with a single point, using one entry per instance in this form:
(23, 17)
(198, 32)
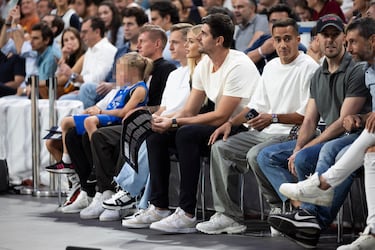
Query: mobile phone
(251, 114)
(12, 4)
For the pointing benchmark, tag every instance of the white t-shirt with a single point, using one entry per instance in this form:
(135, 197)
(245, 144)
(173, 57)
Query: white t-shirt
(177, 90)
(98, 61)
(285, 89)
(236, 77)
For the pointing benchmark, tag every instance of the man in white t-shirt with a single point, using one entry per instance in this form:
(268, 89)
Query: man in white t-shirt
(223, 77)
(278, 103)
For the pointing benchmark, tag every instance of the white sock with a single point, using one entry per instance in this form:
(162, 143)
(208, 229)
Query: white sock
(66, 159)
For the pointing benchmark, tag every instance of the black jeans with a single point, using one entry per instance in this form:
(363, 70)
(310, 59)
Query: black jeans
(190, 143)
(105, 146)
(79, 150)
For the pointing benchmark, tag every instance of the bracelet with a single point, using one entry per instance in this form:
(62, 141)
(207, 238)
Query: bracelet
(260, 53)
(12, 29)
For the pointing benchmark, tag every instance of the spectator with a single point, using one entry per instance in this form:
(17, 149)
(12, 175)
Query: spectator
(324, 7)
(224, 70)
(151, 43)
(346, 95)
(314, 49)
(249, 24)
(12, 73)
(85, 8)
(188, 12)
(67, 14)
(29, 16)
(111, 17)
(280, 99)
(164, 14)
(44, 7)
(262, 50)
(97, 61)
(371, 10)
(42, 41)
(303, 11)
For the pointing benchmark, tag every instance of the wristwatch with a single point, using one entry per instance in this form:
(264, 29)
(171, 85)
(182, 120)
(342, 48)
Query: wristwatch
(274, 118)
(73, 76)
(174, 123)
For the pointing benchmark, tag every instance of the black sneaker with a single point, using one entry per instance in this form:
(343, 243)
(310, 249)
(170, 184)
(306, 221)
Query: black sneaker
(120, 200)
(61, 168)
(298, 225)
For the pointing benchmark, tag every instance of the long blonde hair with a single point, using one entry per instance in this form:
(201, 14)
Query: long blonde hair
(192, 62)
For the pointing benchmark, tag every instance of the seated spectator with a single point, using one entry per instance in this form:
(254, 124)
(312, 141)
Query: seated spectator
(73, 50)
(371, 10)
(67, 14)
(112, 19)
(320, 188)
(314, 49)
(249, 24)
(96, 63)
(280, 101)
(57, 26)
(324, 7)
(42, 42)
(262, 50)
(175, 95)
(44, 7)
(188, 12)
(85, 8)
(303, 11)
(283, 162)
(29, 16)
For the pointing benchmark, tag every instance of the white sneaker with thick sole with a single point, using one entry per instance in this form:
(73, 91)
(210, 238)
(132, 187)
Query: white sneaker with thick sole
(144, 218)
(94, 210)
(220, 223)
(110, 215)
(120, 200)
(82, 201)
(366, 241)
(308, 191)
(178, 222)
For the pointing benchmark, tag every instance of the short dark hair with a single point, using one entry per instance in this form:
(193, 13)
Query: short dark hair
(280, 8)
(166, 8)
(285, 23)
(220, 25)
(58, 23)
(365, 27)
(45, 30)
(96, 23)
(140, 16)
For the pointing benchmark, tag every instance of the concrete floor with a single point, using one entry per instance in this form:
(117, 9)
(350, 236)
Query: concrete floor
(28, 222)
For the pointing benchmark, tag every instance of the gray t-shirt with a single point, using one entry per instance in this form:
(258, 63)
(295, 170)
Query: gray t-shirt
(330, 89)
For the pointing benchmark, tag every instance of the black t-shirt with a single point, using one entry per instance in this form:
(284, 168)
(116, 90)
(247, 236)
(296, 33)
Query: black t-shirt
(159, 76)
(10, 67)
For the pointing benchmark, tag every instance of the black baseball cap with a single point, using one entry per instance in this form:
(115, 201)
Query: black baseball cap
(330, 20)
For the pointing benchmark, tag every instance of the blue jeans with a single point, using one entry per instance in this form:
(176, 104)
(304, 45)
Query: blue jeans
(134, 182)
(86, 94)
(273, 161)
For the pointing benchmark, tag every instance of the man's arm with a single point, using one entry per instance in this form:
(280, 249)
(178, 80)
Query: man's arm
(350, 106)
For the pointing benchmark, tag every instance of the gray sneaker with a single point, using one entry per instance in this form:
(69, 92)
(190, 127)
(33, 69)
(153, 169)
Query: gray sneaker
(220, 223)
(308, 191)
(144, 218)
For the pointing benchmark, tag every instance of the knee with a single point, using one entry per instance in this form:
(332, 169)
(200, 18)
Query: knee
(185, 134)
(251, 158)
(371, 149)
(262, 160)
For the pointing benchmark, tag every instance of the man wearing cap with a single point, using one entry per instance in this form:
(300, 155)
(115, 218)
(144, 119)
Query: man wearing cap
(337, 90)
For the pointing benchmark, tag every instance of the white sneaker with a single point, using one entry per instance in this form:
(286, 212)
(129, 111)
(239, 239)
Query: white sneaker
(366, 241)
(274, 232)
(94, 210)
(110, 215)
(308, 191)
(144, 218)
(80, 203)
(178, 222)
(220, 223)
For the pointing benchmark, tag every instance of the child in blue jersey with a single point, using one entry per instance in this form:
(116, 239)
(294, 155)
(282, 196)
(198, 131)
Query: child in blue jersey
(132, 72)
